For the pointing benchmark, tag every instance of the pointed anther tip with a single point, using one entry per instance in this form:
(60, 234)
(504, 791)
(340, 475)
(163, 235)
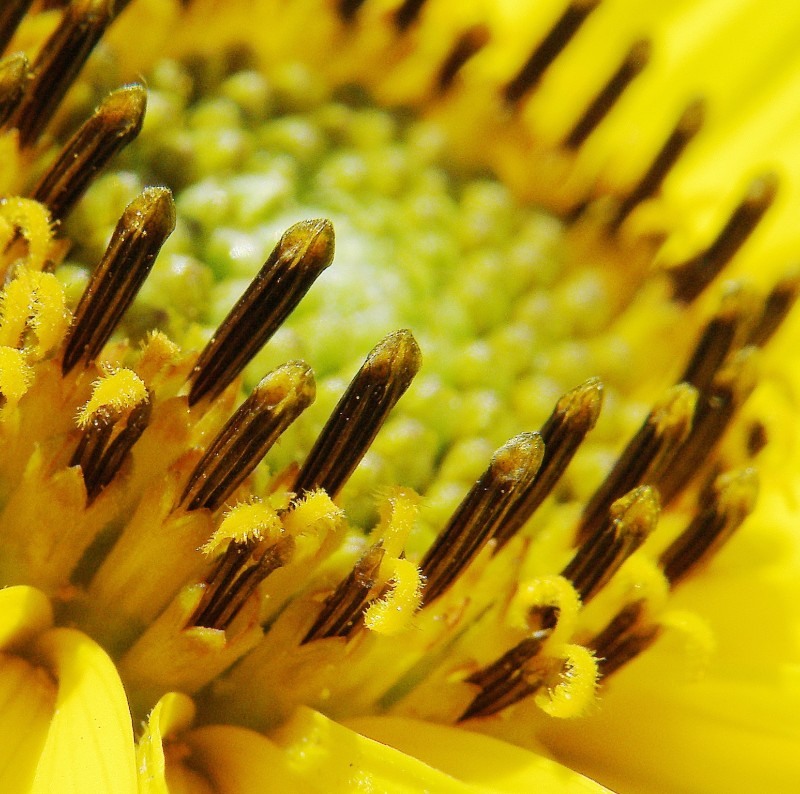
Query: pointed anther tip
(14, 68)
(126, 105)
(397, 357)
(675, 412)
(737, 491)
(313, 241)
(152, 210)
(636, 513)
(292, 382)
(519, 458)
(583, 403)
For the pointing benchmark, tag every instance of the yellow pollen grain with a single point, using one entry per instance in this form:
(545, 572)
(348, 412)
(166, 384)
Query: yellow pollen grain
(119, 391)
(248, 522)
(392, 614)
(15, 375)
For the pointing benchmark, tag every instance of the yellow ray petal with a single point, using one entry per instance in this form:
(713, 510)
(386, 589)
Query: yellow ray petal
(89, 745)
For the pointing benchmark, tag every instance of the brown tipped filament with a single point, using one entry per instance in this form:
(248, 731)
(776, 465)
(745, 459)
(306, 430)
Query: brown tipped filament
(733, 498)
(693, 276)
(349, 8)
(468, 44)
(233, 584)
(482, 512)
(776, 306)
(11, 14)
(715, 409)
(143, 228)
(105, 445)
(548, 49)
(13, 80)
(345, 606)
(723, 333)
(624, 638)
(506, 681)
(633, 64)
(687, 127)
(407, 13)
(302, 253)
(59, 63)
(115, 123)
(630, 520)
(280, 397)
(574, 416)
(378, 385)
(647, 456)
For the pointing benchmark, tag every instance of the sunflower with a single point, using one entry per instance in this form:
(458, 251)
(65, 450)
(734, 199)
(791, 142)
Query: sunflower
(252, 541)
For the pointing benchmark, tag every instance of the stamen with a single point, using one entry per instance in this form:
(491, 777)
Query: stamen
(724, 332)
(692, 277)
(574, 416)
(59, 63)
(548, 49)
(229, 600)
(630, 520)
(349, 8)
(144, 226)
(732, 499)
(633, 64)
(648, 454)
(482, 512)
(687, 127)
(624, 638)
(777, 305)
(345, 605)
(13, 80)
(468, 44)
(278, 399)
(115, 123)
(11, 14)
(407, 12)
(378, 385)
(505, 681)
(100, 460)
(304, 251)
(715, 409)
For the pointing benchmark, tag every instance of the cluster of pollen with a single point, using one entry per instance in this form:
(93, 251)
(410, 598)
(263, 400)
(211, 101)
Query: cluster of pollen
(527, 572)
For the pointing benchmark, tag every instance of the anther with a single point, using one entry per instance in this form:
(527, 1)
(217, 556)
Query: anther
(687, 127)
(11, 14)
(278, 399)
(59, 63)
(693, 276)
(730, 387)
(227, 602)
(648, 454)
(407, 13)
(143, 228)
(733, 497)
(574, 416)
(468, 44)
(482, 512)
(724, 332)
(505, 681)
(629, 522)
(302, 253)
(104, 445)
(349, 8)
(345, 606)
(776, 306)
(634, 63)
(548, 49)
(115, 123)
(624, 638)
(13, 80)
(378, 385)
